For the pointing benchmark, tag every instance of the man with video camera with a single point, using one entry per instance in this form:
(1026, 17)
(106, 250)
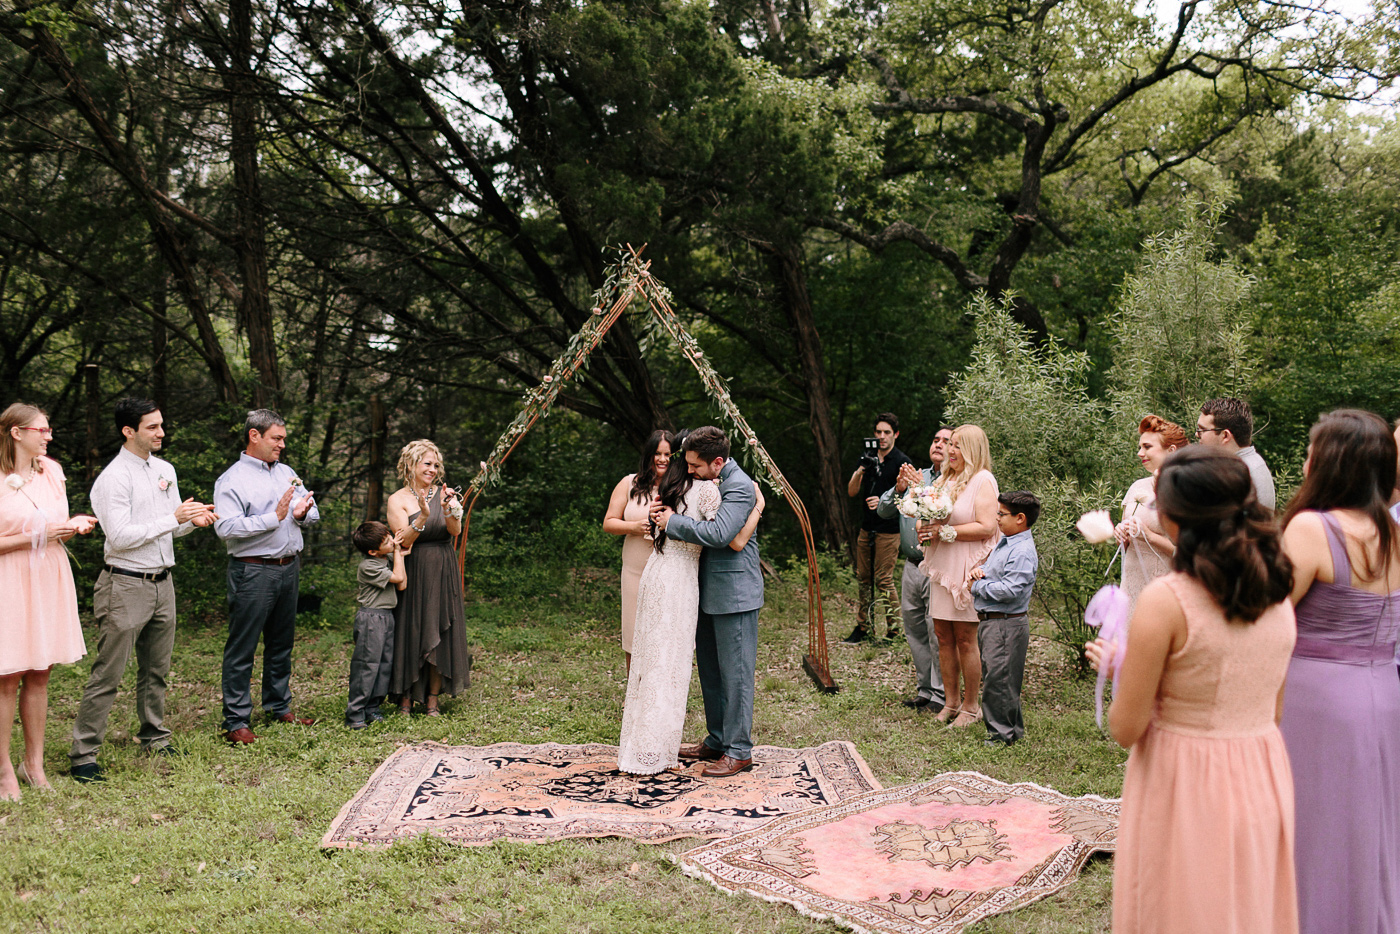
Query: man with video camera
(877, 548)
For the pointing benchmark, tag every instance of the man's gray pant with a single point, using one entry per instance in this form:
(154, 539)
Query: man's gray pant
(726, 653)
(371, 663)
(133, 615)
(262, 602)
(1003, 644)
(923, 643)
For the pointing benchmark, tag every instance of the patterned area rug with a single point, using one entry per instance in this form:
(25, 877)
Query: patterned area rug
(475, 795)
(929, 858)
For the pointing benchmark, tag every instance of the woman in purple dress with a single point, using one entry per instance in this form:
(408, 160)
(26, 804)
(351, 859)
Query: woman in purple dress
(1341, 708)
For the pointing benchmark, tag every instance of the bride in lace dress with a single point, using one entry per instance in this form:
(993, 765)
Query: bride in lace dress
(663, 637)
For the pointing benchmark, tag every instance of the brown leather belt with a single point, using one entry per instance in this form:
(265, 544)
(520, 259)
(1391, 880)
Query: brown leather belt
(278, 561)
(983, 617)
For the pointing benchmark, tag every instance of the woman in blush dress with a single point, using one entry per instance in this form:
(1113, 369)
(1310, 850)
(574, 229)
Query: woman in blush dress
(1205, 834)
(41, 627)
(430, 641)
(1147, 552)
(627, 516)
(951, 550)
(668, 608)
(1341, 715)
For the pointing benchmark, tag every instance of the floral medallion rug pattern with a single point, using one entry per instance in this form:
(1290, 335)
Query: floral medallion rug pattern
(928, 858)
(475, 795)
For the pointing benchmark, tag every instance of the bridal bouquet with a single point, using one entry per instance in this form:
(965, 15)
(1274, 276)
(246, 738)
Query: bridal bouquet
(928, 503)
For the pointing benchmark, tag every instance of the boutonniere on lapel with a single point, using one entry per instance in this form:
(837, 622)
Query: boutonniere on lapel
(163, 484)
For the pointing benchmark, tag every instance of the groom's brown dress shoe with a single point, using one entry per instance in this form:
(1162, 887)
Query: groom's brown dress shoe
(727, 766)
(701, 751)
(240, 737)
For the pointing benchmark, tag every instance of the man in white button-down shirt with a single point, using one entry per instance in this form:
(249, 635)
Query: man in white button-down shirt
(137, 502)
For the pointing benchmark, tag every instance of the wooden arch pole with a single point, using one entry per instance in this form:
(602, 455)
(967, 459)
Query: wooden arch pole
(626, 281)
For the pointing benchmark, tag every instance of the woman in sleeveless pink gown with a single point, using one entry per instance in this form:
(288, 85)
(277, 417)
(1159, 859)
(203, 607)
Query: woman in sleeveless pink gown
(1341, 715)
(1205, 835)
(627, 516)
(951, 550)
(41, 627)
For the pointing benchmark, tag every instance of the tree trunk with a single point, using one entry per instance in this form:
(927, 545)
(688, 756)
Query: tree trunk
(786, 264)
(378, 435)
(92, 393)
(249, 236)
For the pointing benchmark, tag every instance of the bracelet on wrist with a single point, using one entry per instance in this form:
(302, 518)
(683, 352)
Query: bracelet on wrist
(419, 528)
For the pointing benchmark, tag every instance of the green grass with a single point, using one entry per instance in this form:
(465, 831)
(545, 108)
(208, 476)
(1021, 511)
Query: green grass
(226, 840)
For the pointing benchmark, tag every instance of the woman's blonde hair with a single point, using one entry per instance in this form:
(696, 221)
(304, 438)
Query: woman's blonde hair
(412, 455)
(976, 455)
(17, 415)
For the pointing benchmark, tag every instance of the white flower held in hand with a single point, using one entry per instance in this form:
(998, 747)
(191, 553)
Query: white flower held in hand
(1096, 526)
(14, 481)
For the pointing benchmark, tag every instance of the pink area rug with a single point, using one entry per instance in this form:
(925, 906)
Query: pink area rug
(475, 795)
(928, 858)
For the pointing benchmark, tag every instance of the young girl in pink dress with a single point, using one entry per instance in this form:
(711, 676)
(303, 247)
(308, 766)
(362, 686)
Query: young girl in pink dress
(41, 606)
(1205, 836)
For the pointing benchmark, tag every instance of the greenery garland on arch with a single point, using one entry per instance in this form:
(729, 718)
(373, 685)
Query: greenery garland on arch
(625, 281)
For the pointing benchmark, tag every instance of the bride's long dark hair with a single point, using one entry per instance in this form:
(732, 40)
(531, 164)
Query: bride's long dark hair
(675, 484)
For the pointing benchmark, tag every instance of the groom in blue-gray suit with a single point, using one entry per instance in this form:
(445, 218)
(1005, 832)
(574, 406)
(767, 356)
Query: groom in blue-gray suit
(731, 592)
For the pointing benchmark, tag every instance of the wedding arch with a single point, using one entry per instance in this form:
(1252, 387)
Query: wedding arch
(625, 282)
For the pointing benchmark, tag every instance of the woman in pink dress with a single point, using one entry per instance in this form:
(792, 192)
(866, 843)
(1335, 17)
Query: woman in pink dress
(41, 612)
(627, 516)
(951, 550)
(1205, 835)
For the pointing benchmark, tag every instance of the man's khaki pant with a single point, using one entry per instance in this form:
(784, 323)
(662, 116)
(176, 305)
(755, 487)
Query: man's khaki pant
(886, 554)
(133, 615)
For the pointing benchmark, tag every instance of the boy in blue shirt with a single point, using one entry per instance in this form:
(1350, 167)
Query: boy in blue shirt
(380, 576)
(1001, 594)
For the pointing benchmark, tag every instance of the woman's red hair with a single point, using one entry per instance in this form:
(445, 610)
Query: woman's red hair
(1173, 435)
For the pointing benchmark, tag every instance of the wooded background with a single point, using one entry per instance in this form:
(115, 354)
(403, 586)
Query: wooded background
(386, 219)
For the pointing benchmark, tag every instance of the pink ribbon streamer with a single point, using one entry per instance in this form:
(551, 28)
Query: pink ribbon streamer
(1108, 613)
(37, 528)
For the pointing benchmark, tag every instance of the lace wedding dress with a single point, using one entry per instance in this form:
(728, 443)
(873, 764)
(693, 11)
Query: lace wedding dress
(663, 644)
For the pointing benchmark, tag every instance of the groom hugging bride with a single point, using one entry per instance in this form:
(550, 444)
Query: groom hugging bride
(701, 592)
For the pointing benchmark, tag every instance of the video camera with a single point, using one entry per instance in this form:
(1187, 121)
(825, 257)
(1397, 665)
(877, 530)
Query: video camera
(870, 457)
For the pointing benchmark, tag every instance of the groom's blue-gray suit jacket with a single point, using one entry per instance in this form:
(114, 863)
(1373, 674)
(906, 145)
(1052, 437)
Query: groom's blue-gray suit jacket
(730, 581)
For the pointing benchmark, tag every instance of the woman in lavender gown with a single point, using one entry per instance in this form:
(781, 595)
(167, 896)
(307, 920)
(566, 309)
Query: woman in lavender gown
(1341, 709)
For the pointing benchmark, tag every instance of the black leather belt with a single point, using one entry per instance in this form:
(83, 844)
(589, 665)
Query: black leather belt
(278, 561)
(983, 617)
(153, 576)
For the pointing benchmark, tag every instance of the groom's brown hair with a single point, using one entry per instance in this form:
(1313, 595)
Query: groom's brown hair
(709, 442)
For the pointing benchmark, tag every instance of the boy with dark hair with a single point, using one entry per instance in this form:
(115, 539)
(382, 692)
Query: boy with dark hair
(1001, 594)
(373, 660)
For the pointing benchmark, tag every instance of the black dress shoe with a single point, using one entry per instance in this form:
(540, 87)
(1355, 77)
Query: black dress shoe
(87, 773)
(858, 635)
(169, 749)
(915, 702)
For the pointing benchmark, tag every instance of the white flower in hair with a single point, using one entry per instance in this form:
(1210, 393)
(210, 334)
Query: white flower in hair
(1096, 526)
(14, 481)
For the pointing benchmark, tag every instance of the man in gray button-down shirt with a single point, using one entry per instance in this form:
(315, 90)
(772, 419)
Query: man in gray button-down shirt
(262, 508)
(137, 502)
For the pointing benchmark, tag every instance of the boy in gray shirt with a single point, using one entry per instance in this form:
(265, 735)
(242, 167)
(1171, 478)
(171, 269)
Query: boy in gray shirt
(380, 578)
